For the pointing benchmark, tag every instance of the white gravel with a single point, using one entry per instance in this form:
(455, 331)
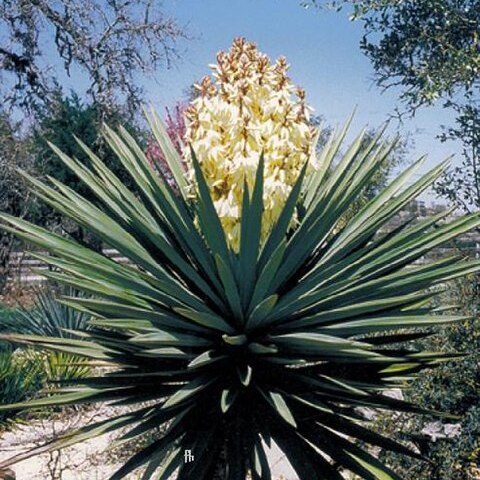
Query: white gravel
(90, 460)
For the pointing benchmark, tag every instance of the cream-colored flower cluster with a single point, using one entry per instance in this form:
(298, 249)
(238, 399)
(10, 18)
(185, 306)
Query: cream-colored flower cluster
(249, 106)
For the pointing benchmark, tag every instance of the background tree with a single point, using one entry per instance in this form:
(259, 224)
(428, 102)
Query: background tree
(105, 45)
(452, 445)
(14, 197)
(69, 118)
(461, 185)
(112, 42)
(429, 48)
(430, 51)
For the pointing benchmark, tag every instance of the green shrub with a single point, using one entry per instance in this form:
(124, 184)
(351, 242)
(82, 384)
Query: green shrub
(19, 380)
(452, 387)
(60, 366)
(48, 316)
(7, 319)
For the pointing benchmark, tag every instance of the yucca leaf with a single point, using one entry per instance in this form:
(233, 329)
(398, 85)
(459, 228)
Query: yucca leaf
(278, 403)
(205, 358)
(261, 468)
(305, 459)
(185, 393)
(80, 347)
(340, 449)
(251, 228)
(266, 276)
(231, 288)
(326, 159)
(163, 339)
(355, 430)
(163, 202)
(261, 349)
(208, 320)
(170, 464)
(82, 395)
(171, 156)
(277, 235)
(203, 446)
(245, 374)
(171, 436)
(228, 397)
(382, 324)
(261, 311)
(208, 217)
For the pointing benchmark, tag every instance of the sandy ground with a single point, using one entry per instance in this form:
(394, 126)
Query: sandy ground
(86, 461)
(90, 460)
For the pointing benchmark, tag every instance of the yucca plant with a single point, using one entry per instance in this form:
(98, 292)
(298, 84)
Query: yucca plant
(48, 316)
(19, 379)
(281, 340)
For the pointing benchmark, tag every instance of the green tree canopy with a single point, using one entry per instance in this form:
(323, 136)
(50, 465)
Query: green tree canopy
(14, 197)
(461, 184)
(68, 118)
(428, 48)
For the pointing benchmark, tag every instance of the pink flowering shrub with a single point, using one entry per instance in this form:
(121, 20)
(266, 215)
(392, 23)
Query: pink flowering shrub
(175, 126)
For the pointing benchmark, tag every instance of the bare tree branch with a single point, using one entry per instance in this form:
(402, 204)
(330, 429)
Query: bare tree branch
(111, 41)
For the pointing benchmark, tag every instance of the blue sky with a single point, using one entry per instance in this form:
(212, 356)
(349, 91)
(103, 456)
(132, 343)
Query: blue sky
(323, 51)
